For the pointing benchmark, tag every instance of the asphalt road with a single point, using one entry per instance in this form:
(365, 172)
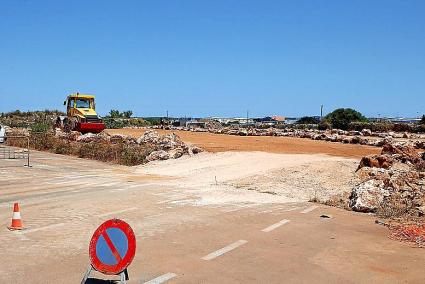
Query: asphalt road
(64, 199)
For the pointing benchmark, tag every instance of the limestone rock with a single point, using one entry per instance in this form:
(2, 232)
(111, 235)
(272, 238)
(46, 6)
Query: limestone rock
(158, 155)
(367, 196)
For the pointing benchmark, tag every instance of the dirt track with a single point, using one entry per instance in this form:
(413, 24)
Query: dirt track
(282, 145)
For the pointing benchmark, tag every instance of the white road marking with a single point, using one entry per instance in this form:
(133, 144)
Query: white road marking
(131, 186)
(117, 212)
(161, 279)
(41, 228)
(309, 209)
(293, 209)
(222, 251)
(276, 225)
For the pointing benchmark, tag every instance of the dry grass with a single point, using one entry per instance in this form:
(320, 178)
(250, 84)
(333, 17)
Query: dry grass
(117, 153)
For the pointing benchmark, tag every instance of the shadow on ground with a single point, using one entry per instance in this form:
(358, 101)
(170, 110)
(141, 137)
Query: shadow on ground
(101, 281)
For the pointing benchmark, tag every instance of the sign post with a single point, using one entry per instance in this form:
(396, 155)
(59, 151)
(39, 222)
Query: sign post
(112, 249)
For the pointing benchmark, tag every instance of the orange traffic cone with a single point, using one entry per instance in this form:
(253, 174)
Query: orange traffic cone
(16, 219)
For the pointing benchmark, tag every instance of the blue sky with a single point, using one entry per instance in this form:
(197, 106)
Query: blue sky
(215, 58)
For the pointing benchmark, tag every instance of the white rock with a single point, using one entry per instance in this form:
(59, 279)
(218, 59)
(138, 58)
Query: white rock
(367, 196)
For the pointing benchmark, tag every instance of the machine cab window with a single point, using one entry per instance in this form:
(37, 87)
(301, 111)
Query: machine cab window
(83, 103)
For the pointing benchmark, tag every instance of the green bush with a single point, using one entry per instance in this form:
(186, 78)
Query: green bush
(324, 125)
(114, 123)
(308, 120)
(342, 117)
(153, 120)
(374, 126)
(111, 123)
(419, 128)
(40, 127)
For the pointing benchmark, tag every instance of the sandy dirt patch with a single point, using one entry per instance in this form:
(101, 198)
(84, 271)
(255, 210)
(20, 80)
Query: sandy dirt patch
(281, 145)
(257, 176)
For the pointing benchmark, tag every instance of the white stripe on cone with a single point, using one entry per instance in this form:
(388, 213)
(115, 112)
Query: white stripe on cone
(16, 215)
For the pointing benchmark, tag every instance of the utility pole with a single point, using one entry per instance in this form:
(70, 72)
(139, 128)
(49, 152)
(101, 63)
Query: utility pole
(321, 112)
(247, 117)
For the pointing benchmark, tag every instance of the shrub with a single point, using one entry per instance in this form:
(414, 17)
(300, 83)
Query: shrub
(114, 113)
(324, 125)
(119, 153)
(113, 123)
(42, 141)
(308, 120)
(134, 155)
(127, 113)
(40, 127)
(419, 128)
(153, 120)
(422, 121)
(63, 147)
(342, 117)
(401, 127)
(374, 126)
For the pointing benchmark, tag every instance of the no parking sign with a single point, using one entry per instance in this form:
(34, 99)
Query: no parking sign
(112, 249)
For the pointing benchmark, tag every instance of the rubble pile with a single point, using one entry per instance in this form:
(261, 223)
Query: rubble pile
(168, 146)
(364, 137)
(164, 147)
(393, 183)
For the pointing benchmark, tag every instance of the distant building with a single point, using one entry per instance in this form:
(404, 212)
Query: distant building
(278, 118)
(394, 119)
(270, 120)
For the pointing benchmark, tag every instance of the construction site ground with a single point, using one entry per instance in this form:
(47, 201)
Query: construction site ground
(284, 145)
(191, 225)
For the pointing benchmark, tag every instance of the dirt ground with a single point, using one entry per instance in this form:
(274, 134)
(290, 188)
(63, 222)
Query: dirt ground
(282, 145)
(233, 176)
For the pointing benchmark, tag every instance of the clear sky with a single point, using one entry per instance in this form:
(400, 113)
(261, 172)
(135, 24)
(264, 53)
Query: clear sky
(215, 58)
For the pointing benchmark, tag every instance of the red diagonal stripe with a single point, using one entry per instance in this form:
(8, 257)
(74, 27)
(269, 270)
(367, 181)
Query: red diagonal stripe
(112, 247)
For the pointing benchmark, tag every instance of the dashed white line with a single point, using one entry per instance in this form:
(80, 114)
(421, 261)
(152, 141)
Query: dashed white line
(309, 209)
(131, 186)
(161, 279)
(41, 228)
(222, 251)
(117, 212)
(274, 226)
(293, 209)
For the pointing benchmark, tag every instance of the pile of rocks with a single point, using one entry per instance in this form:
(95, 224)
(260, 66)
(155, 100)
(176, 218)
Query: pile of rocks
(393, 182)
(364, 137)
(165, 147)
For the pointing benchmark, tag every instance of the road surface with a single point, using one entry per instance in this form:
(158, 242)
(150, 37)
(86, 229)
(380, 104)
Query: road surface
(64, 199)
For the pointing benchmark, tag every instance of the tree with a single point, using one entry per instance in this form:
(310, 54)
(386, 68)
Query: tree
(127, 114)
(114, 113)
(308, 120)
(342, 117)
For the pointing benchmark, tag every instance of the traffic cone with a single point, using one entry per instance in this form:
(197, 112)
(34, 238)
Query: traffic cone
(16, 219)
